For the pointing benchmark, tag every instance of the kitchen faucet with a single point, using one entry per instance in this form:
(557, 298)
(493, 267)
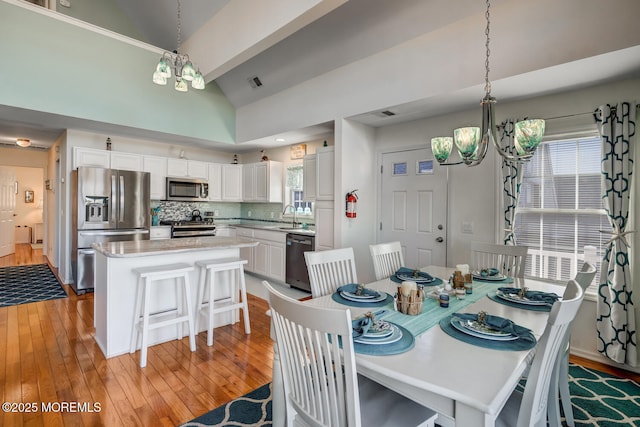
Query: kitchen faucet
(293, 208)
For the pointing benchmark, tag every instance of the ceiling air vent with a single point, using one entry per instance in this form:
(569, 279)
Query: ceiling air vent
(385, 113)
(255, 82)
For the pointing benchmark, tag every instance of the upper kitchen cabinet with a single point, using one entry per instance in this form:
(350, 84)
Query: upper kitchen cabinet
(215, 182)
(91, 157)
(262, 182)
(325, 166)
(157, 167)
(189, 168)
(126, 161)
(309, 178)
(232, 183)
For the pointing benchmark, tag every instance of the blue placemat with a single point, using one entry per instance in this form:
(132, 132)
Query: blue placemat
(405, 343)
(507, 279)
(492, 296)
(339, 299)
(515, 345)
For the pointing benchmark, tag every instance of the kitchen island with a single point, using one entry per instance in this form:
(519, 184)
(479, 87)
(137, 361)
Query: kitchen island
(115, 286)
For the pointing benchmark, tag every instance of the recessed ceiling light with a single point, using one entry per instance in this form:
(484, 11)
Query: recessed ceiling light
(23, 142)
(280, 140)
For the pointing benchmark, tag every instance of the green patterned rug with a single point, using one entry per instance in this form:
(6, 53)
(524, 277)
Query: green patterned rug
(598, 399)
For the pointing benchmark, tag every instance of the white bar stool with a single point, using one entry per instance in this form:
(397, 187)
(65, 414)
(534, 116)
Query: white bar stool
(205, 306)
(142, 317)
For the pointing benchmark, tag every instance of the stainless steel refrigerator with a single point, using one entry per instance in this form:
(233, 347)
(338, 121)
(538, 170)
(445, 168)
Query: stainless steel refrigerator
(108, 205)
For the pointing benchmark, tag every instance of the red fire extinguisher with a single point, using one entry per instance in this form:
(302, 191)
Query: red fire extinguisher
(351, 203)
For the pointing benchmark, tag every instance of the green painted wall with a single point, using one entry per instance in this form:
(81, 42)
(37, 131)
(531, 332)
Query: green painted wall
(55, 67)
(104, 13)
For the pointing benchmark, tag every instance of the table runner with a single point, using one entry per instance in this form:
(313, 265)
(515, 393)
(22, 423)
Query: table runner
(432, 312)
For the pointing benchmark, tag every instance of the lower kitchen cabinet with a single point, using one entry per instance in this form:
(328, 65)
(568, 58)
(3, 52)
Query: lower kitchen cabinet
(268, 257)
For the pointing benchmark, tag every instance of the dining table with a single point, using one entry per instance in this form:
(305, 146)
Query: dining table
(466, 384)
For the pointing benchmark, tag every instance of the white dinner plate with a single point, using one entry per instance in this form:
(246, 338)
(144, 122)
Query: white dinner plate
(497, 277)
(411, 278)
(354, 295)
(379, 298)
(396, 335)
(516, 298)
(378, 333)
(460, 325)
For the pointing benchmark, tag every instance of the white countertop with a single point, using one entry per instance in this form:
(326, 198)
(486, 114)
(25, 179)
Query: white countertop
(138, 248)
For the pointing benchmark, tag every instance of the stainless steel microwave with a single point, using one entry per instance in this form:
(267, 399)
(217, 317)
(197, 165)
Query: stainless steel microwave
(187, 189)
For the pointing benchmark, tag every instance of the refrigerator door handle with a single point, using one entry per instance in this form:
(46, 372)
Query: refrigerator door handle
(113, 213)
(121, 207)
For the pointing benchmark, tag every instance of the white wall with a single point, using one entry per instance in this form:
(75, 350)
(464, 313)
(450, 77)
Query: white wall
(355, 168)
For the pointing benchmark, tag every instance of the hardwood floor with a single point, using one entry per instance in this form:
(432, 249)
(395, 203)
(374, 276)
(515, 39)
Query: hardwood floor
(48, 357)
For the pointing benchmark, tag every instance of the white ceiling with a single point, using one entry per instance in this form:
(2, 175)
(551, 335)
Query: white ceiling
(355, 30)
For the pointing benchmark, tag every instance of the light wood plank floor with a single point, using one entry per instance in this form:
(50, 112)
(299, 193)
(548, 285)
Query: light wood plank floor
(48, 355)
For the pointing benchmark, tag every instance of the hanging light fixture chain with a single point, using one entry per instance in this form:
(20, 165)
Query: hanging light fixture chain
(179, 28)
(487, 83)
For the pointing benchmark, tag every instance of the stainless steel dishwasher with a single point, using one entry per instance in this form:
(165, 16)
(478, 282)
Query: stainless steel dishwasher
(296, 267)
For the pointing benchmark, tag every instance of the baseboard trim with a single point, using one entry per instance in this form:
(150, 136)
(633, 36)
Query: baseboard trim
(597, 357)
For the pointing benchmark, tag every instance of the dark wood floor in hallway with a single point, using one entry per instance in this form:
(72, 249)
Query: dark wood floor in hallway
(48, 356)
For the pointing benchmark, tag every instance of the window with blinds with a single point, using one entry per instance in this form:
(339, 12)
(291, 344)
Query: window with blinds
(560, 212)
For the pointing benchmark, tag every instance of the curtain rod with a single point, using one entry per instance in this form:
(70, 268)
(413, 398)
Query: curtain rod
(580, 114)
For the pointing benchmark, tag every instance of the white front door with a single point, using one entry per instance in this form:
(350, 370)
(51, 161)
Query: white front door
(413, 206)
(8, 188)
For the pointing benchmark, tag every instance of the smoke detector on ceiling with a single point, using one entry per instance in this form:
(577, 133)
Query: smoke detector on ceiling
(254, 82)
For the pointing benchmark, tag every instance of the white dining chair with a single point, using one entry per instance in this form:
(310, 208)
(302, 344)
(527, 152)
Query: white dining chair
(559, 389)
(510, 260)
(328, 270)
(529, 409)
(387, 259)
(319, 372)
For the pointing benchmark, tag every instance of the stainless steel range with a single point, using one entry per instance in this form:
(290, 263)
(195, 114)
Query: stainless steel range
(191, 228)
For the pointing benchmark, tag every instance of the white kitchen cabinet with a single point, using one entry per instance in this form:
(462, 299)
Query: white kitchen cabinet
(126, 161)
(232, 183)
(215, 181)
(83, 156)
(187, 168)
(325, 168)
(160, 232)
(262, 182)
(197, 169)
(157, 168)
(309, 178)
(268, 257)
(324, 211)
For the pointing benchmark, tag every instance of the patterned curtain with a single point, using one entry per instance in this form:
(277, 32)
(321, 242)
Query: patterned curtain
(615, 316)
(511, 180)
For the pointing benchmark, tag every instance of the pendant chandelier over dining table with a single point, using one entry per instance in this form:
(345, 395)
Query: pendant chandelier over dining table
(183, 69)
(472, 142)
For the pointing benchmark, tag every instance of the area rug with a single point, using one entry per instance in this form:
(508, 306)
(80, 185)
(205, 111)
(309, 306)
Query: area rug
(252, 409)
(28, 283)
(598, 399)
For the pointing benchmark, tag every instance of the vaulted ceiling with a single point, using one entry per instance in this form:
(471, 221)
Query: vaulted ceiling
(288, 44)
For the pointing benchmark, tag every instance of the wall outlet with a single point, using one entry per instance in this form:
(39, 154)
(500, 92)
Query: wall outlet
(273, 214)
(216, 212)
(467, 227)
(65, 3)
(248, 213)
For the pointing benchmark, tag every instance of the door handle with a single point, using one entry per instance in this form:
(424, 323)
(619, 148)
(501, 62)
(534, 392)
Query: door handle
(439, 240)
(121, 207)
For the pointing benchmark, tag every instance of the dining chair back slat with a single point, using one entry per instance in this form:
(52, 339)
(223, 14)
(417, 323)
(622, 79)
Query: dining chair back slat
(559, 388)
(387, 259)
(328, 270)
(531, 406)
(510, 260)
(321, 385)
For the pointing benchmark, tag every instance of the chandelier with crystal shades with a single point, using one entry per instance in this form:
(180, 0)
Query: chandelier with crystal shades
(183, 69)
(472, 142)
